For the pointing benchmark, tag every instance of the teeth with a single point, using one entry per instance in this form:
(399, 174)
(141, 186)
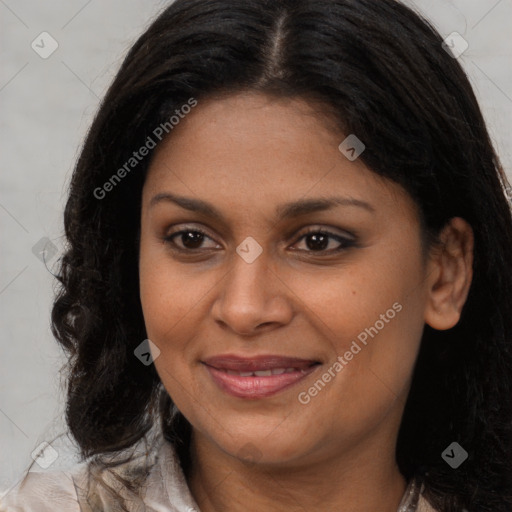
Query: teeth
(262, 373)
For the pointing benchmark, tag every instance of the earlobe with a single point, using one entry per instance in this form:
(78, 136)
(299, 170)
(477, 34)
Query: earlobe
(451, 274)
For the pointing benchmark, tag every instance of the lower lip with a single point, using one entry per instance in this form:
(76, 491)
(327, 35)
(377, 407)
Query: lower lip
(257, 387)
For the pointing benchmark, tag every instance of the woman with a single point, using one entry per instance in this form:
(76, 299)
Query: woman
(288, 283)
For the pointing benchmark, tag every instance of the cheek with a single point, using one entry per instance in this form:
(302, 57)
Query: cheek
(167, 303)
(342, 303)
(371, 314)
(168, 293)
(173, 299)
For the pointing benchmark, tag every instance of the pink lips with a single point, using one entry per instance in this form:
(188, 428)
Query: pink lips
(257, 377)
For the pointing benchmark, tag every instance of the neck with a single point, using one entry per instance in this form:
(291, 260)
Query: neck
(362, 479)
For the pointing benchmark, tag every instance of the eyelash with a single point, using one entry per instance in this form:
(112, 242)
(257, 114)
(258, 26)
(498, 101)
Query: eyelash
(346, 242)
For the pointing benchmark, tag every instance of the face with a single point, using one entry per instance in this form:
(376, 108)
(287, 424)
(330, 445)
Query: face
(265, 249)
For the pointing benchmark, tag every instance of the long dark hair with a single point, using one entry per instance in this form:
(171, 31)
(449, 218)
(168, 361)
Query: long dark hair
(381, 71)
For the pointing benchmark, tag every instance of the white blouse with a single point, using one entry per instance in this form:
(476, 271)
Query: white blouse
(166, 490)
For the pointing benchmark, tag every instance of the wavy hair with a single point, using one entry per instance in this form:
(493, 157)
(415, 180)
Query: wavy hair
(380, 70)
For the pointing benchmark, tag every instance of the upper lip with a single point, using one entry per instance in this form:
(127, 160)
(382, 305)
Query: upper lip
(255, 363)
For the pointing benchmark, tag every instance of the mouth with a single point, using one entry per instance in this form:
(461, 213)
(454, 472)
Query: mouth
(257, 377)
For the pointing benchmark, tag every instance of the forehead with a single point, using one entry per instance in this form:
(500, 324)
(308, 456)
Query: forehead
(250, 149)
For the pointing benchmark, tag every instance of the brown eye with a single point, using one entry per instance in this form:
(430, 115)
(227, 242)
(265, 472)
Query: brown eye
(187, 239)
(317, 240)
(191, 239)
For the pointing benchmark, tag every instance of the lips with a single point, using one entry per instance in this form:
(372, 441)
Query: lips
(258, 363)
(257, 377)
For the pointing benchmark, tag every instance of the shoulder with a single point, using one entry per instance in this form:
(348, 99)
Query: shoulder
(47, 491)
(414, 498)
(424, 505)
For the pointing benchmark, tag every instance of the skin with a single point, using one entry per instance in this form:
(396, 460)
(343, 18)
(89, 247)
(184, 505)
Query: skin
(246, 154)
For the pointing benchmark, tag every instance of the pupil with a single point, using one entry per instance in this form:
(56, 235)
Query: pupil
(194, 238)
(318, 241)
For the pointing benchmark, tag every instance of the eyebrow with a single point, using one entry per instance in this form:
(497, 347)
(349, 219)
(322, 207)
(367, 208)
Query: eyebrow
(284, 211)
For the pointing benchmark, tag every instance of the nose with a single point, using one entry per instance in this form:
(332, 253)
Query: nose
(252, 298)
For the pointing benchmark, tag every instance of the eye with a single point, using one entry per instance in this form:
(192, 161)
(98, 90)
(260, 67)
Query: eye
(318, 240)
(190, 239)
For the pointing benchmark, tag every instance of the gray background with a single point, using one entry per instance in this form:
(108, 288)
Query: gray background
(46, 107)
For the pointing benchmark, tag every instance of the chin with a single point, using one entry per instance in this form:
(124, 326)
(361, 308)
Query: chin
(260, 448)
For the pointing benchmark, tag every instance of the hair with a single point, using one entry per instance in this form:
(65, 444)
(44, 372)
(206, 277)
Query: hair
(380, 70)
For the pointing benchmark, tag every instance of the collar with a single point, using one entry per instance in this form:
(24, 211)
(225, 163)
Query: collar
(168, 490)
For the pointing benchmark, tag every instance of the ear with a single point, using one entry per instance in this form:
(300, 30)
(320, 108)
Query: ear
(450, 274)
